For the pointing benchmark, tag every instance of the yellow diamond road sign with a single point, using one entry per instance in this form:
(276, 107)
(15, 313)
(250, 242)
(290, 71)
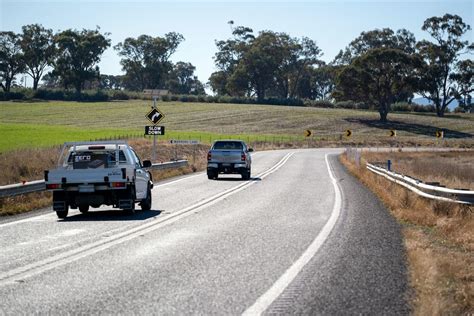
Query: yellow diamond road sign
(155, 116)
(392, 133)
(307, 133)
(348, 133)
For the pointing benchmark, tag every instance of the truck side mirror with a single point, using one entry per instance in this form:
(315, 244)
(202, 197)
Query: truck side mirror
(146, 163)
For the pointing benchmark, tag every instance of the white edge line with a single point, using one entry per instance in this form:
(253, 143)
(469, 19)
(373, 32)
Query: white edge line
(264, 301)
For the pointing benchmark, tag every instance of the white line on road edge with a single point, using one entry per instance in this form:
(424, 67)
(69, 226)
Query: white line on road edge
(90, 249)
(264, 301)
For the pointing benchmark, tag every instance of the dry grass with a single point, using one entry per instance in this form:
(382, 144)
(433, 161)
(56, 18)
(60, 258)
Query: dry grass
(451, 169)
(439, 237)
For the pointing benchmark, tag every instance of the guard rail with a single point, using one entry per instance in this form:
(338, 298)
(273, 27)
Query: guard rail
(39, 185)
(425, 189)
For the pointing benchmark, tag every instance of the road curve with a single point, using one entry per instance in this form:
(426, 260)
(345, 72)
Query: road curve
(301, 237)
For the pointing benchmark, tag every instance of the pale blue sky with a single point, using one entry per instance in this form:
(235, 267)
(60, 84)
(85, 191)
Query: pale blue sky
(332, 24)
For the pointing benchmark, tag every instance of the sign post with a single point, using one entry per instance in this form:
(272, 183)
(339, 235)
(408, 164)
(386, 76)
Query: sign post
(155, 116)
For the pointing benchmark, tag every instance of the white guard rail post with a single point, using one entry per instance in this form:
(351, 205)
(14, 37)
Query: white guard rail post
(39, 185)
(423, 189)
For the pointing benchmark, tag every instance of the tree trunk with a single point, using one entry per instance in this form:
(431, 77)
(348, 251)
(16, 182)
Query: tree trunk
(383, 110)
(35, 83)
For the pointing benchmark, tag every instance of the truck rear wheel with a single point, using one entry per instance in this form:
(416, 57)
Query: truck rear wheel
(146, 203)
(63, 213)
(131, 196)
(212, 175)
(83, 208)
(246, 174)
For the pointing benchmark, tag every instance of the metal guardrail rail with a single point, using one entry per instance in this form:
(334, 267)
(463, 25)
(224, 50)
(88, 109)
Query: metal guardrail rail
(39, 185)
(424, 189)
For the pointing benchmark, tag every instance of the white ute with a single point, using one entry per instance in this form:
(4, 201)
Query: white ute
(89, 174)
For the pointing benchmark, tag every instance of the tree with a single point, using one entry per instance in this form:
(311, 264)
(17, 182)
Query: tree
(110, 82)
(79, 53)
(377, 77)
(183, 81)
(38, 49)
(11, 59)
(270, 64)
(229, 53)
(316, 83)
(145, 60)
(438, 82)
(385, 38)
(464, 77)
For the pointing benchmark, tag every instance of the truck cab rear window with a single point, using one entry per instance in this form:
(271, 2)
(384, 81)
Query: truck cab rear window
(94, 160)
(228, 145)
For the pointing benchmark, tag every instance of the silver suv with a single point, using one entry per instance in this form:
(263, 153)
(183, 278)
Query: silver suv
(229, 157)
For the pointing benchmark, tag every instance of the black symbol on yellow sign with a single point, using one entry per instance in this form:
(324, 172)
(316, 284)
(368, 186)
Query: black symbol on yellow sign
(307, 133)
(155, 116)
(440, 134)
(348, 133)
(392, 133)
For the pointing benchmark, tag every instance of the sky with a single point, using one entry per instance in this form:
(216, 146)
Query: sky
(332, 24)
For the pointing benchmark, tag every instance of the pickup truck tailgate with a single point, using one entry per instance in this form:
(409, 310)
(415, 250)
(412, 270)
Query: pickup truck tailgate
(223, 156)
(86, 175)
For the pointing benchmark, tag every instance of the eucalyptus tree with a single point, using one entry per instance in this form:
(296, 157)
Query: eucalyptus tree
(11, 59)
(146, 59)
(438, 80)
(37, 44)
(402, 40)
(378, 77)
(183, 81)
(79, 53)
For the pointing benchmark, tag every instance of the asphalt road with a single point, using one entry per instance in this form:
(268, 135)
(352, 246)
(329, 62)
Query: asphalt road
(301, 237)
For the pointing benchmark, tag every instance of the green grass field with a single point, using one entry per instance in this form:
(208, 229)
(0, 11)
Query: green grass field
(23, 124)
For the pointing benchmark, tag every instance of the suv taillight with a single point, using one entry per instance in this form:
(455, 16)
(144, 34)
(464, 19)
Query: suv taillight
(244, 157)
(209, 156)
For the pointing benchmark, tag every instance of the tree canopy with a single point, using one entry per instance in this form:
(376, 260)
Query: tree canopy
(270, 63)
(145, 60)
(79, 52)
(438, 80)
(37, 44)
(377, 77)
(11, 59)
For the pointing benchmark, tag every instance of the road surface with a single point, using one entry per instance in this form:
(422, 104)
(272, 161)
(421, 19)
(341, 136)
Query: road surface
(301, 237)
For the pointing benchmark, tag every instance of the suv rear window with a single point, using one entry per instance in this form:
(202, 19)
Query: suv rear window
(228, 145)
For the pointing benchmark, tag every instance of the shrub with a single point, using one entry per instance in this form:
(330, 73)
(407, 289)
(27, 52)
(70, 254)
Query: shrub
(165, 98)
(401, 107)
(318, 103)
(212, 99)
(345, 105)
(201, 98)
(174, 98)
(120, 95)
(423, 108)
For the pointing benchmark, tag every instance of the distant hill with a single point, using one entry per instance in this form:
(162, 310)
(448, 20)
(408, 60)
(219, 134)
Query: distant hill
(424, 101)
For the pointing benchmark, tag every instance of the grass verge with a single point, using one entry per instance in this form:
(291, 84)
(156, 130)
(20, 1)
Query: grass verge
(439, 236)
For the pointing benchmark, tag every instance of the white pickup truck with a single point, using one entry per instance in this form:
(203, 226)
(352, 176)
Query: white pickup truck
(98, 173)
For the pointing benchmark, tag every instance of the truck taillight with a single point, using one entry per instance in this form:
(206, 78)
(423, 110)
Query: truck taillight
(53, 186)
(118, 184)
(209, 156)
(244, 157)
